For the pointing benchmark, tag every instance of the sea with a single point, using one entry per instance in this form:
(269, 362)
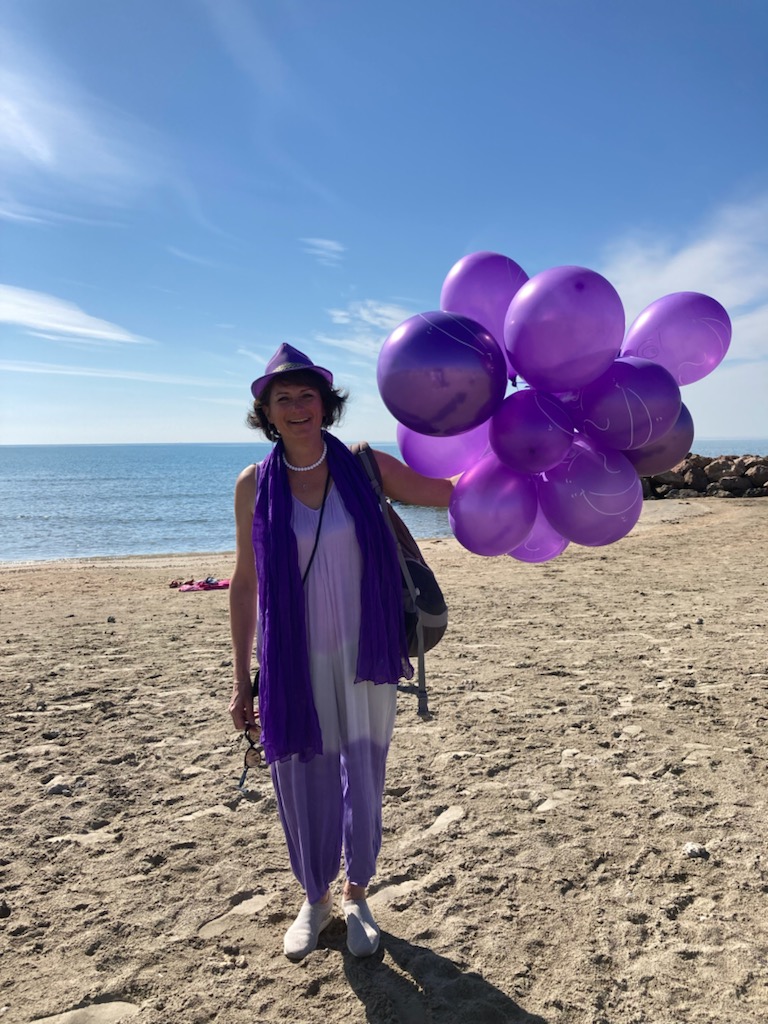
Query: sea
(89, 501)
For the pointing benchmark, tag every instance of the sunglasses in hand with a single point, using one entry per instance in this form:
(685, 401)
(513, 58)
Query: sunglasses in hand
(254, 755)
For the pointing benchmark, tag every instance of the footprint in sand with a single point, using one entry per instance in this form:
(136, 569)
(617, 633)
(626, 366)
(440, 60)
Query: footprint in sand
(220, 924)
(97, 838)
(392, 893)
(101, 1013)
(559, 797)
(446, 819)
(216, 809)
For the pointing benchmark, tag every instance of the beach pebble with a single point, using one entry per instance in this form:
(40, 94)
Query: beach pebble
(632, 730)
(58, 786)
(696, 850)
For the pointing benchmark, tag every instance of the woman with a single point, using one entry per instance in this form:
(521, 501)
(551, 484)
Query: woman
(317, 584)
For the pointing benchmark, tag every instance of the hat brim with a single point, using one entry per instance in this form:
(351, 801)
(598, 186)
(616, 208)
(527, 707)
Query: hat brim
(260, 385)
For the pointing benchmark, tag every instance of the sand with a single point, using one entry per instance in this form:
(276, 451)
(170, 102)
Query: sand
(578, 834)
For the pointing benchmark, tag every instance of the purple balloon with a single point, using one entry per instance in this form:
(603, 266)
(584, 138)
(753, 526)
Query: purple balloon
(542, 543)
(492, 507)
(664, 454)
(594, 496)
(442, 456)
(687, 333)
(481, 286)
(441, 374)
(564, 328)
(632, 404)
(530, 431)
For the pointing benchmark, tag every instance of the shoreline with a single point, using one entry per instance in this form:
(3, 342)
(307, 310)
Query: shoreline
(116, 511)
(654, 510)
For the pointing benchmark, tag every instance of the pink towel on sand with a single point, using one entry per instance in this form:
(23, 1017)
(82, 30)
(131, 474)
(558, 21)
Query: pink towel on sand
(207, 584)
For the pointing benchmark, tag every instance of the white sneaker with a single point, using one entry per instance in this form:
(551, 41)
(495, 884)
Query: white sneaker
(301, 938)
(362, 931)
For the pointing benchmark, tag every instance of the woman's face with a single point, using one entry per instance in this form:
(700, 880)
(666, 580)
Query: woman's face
(295, 410)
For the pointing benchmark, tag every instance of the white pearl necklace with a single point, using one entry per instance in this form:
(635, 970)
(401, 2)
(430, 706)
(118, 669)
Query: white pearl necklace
(306, 469)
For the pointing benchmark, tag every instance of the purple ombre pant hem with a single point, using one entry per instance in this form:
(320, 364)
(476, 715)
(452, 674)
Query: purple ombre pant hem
(329, 805)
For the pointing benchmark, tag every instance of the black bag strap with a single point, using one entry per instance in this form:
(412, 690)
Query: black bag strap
(317, 533)
(363, 452)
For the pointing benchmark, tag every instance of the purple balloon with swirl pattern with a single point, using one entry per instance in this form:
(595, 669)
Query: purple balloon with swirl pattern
(481, 286)
(530, 431)
(686, 332)
(493, 508)
(441, 374)
(664, 454)
(634, 403)
(542, 544)
(594, 496)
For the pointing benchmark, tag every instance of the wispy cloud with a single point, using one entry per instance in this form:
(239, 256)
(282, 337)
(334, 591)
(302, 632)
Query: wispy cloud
(324, 250)
(55, 369)
(190, 258)
(18, 213)
(55, 318)
(22, 213)
(727, 259)
(381, 315)
(366, 324)
(256, 356)
(53, 133)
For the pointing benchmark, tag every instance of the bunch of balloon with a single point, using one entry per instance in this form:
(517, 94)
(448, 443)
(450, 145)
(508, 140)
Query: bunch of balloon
(558, 460)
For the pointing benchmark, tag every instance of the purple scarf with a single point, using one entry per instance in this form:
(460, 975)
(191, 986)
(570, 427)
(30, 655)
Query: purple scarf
(286, 706)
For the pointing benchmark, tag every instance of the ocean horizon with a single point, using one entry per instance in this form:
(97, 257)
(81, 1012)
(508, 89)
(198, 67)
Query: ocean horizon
(114, 500)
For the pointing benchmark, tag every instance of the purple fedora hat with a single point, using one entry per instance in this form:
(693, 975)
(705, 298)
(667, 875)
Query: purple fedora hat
(285, 360)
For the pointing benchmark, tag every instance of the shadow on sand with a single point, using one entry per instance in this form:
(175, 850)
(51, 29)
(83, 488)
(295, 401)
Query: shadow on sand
(425, 988)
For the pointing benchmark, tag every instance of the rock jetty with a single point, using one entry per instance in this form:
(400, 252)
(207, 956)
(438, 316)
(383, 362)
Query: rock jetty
(725, 476)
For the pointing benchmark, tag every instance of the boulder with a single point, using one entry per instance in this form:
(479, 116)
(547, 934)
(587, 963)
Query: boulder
(718, 468)
(670, 479)
(695, 462)
(757, 474)
(734, 484)
(696, 479)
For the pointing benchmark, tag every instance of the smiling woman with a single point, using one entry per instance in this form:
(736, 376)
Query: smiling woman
(317, 588)
(275, 389)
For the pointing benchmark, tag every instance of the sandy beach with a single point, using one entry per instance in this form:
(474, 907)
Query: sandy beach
(576, 836)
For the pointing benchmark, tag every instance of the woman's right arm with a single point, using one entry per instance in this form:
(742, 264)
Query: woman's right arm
(243, 594)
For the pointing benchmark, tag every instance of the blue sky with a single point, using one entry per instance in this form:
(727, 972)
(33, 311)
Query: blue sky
(186, 184)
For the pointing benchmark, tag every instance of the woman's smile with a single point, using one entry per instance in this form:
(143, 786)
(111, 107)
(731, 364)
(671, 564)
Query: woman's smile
(294, 407)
